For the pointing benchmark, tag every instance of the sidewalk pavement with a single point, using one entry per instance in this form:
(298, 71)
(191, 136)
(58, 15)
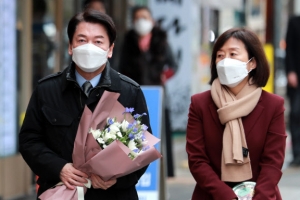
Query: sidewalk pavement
(182, 185)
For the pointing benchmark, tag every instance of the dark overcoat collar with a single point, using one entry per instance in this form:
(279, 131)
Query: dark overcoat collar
(109, 78)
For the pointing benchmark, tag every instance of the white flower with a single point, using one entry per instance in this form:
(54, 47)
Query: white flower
(119, 134)
(114, 129)
(101, 141)
(134, 154)
(125, 125)
(107, 136)
(96, 133)
(132, 145)
(145, 142)
(118, 124)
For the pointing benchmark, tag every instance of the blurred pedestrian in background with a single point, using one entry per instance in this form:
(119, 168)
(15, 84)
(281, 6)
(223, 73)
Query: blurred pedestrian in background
(292, 67)
(236, 131)
(146, 57)
(95, 5)
(42, 46)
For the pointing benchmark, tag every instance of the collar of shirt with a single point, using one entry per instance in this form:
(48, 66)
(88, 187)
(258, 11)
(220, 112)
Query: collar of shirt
(80, 80)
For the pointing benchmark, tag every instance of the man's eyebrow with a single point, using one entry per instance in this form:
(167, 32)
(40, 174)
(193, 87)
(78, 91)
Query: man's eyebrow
(81, 35)
(99, 36)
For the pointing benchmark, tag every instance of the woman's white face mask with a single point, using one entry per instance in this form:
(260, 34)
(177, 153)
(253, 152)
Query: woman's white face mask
(143, 26)
(89, 57)
(231, 71)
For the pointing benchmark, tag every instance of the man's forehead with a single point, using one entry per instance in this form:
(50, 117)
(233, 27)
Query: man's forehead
(87, 28)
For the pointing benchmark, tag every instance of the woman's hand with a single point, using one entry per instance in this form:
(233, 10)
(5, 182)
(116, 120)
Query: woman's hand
(72, 177)
(98, 183)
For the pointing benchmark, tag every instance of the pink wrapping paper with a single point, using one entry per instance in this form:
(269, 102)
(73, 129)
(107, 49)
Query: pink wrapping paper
(111, 162)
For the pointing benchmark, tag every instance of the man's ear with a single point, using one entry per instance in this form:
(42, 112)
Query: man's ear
(110, 50)
(70, 49)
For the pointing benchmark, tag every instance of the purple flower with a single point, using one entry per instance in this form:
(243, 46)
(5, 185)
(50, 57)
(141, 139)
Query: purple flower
(110, 121)
(143, 137)
(144, 127)
(146, 148)
(108, 129)
(136, 116)
(129, 126)
(134, 123)
(135, 150)
(135, 130)
(129, 110)
(131, 136)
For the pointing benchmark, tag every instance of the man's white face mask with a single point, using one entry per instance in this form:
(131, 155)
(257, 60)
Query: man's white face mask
(231, 71)
(89, 57)
(143, 26)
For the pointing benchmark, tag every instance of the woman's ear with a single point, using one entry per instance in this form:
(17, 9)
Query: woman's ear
(252, 64)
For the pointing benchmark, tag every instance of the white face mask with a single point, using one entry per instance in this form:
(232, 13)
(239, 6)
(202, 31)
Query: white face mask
(231, 71)
(89, 57)
(143, 26)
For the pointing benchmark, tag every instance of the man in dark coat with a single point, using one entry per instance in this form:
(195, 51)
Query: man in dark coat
(146, 57)
(293, 88)
(49, 129)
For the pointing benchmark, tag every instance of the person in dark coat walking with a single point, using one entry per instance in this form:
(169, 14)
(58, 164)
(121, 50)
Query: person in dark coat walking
(146, 57)
(292, 67)
(49, 129)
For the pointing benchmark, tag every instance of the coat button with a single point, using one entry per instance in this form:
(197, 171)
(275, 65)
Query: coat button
(54, 120)
(97, 95)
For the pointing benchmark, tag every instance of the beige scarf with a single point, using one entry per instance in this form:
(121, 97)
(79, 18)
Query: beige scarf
(235, 167)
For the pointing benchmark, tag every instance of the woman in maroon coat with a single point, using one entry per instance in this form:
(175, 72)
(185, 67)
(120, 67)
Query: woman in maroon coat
(236, 131)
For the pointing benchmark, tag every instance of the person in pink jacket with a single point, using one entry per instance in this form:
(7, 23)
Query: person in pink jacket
(236, 130)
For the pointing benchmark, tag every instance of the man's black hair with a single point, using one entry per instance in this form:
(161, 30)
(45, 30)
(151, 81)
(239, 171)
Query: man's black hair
(92, 16)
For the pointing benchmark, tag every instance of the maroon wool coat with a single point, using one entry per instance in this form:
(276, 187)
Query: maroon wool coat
(266, 138)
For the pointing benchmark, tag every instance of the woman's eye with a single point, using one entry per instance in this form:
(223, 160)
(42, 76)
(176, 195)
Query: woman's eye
(233, 54)
(219, 56)
(98, 42)
(81, 40)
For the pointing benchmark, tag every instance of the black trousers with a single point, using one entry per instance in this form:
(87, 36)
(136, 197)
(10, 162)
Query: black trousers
(294, 122)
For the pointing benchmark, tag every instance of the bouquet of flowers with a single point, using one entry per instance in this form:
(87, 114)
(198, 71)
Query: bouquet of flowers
(131, 135)
(108, 147)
